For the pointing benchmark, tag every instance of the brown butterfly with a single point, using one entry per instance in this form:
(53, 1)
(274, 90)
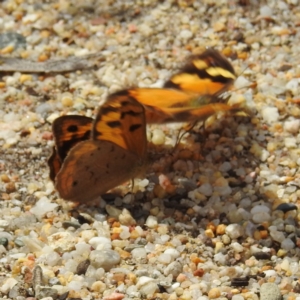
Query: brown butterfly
(91, 158)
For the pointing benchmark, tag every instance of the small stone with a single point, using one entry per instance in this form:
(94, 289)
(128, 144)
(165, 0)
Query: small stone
(98, 286)
(158, 137)
(287, 244)
(139, 253)
(234, 231)
(261, 217)
(270, 291)
(265, 11)
(270, 114)
(62, 241)
(292, 126)
(146, 285)
(100, 242)
(151, 222)
(12, 38)
(174, 268)
(4, 241)
(220, 230)
(206, 189)
(126, 218)
(8, 285)
(186, 34)
(82, 267)
(214, 293)
(46, 292)
(105, 259)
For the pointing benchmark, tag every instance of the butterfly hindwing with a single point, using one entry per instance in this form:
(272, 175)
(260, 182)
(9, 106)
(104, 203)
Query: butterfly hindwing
(94, 167)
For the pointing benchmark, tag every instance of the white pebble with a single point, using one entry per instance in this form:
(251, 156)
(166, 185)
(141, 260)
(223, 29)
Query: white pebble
(292, 126)
(43, 206)
(8, 285)
(173, 252)
(290, 142)
(151, 222)
(293, 86)
(124, 234)
(158, 137)
(139, 253)
(164, 258)
(265, 11)
(105, 259)
(186, 34)
(270, 114)
(100, 243)
(234, 231)
(237, 247)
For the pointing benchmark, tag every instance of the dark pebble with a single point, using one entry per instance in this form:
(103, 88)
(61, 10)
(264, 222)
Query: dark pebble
(285, 207)
(262, 255)
(68, 224)
(4, 241)
(63, 296)
(82, 267)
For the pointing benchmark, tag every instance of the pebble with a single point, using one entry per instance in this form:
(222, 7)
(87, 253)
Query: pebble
(8, 285)
(270, 291)
(105, 259)
(151, 222)
(234, 231)
(270, 114)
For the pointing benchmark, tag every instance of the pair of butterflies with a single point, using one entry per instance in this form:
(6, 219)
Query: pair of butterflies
(91, 157)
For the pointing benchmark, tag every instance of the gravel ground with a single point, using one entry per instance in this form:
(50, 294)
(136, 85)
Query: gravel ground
(216, 218)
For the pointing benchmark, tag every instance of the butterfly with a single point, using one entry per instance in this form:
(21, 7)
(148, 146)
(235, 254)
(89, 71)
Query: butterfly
(91, 157)
(189, 95)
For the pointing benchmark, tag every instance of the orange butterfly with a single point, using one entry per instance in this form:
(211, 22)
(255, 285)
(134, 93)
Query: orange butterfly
(92, 157)
(191, 94)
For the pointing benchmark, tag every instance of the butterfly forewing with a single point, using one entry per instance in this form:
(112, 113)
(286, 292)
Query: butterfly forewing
(70, 130)
(209, 73)
(67, 132)
(121, 120)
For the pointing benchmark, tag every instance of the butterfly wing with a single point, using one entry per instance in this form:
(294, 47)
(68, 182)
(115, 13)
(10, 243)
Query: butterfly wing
(115, 153)
(196, 114)
(121, 120)
(209, 73)
(70, 130)
(67, 132)
(94, 167)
